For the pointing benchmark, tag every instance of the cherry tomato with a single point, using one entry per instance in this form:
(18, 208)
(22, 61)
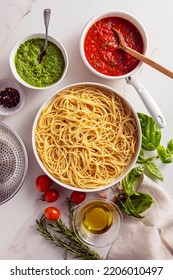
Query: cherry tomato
(50, 195)
(52, 213)
(78, 197)
(43, 183)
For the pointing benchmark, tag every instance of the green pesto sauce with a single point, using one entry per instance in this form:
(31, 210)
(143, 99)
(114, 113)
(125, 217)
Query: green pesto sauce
(43, 74)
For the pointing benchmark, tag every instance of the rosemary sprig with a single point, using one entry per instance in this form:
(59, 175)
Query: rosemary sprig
(81, 248)
(45, 232)
(70, 206)
(67, 239)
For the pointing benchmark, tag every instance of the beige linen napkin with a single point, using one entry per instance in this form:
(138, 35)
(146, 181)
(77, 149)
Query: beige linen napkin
(149, 238)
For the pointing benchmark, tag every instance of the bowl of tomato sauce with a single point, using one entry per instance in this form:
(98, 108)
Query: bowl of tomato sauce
(99, 46)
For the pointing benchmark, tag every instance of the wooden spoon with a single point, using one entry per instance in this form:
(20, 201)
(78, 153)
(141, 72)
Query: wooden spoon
(122, 45)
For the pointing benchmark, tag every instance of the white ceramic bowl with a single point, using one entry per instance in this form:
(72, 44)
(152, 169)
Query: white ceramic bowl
(9, 111)
(48, 101)
(123, 15)
(37, 35)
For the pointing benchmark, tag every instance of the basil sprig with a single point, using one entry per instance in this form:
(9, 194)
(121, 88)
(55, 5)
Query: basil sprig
(165, 155)
(134, 203)
(151, 141)
(151, 133)
(131, 202)
(131, 179)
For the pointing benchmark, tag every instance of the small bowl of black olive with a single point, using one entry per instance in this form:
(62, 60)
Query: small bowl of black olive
(11, 97)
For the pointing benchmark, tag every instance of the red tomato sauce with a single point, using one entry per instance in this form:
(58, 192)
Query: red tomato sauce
(101, 46)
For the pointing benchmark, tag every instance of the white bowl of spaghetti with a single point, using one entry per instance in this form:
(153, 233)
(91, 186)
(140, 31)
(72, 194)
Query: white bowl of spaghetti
(86, 137)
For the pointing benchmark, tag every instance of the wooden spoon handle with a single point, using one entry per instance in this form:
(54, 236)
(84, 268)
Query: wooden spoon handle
(148, 61)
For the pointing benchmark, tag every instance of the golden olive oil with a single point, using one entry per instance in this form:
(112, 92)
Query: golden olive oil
(97, 217)
(97, 222)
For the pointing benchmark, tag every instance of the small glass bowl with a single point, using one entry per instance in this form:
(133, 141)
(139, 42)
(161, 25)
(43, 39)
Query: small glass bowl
(97, 222)
(9, 111)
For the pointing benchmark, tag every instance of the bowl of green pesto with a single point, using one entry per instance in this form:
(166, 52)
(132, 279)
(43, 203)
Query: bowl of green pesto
(26, 68)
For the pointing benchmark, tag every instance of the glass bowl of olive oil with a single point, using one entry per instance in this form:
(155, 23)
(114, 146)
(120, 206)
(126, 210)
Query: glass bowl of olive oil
(97, 222)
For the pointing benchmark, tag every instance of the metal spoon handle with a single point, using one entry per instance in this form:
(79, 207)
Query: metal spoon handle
(47, 16)
(47, 13)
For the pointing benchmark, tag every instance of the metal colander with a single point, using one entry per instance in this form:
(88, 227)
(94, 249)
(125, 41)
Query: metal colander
(13, 163)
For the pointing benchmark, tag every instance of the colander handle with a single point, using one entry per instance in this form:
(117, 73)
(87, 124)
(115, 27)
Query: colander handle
(148, 101)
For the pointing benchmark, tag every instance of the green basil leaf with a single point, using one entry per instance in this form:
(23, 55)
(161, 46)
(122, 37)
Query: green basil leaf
(151, 133)
(123, 207)
(154, 170)
(141, 157)
(164, 156)
(170, 147)
(131, 178)
(129, 208)
(141, 202)
(136, 204)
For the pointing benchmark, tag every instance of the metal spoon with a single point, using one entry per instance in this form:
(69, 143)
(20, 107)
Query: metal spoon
(46, 22)
(122, 45)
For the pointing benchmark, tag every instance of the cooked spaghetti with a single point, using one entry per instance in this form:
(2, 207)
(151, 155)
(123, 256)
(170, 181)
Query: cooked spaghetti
(86, 136)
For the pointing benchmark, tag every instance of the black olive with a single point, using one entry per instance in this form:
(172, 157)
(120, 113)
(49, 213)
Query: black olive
(9, 97)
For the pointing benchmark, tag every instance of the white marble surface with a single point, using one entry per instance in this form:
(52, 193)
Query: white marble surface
(18, 18)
